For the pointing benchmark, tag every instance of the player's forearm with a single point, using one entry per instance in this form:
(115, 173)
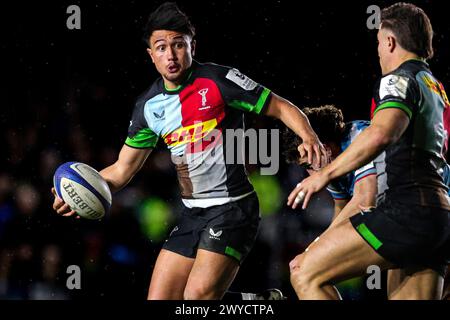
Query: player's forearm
(130, 161)
(116, 176)
(292, 117)
(366, 147)
(298, 122)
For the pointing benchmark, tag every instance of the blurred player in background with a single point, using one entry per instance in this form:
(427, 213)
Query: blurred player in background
(190, 107)
(410, 227)
(356, 189)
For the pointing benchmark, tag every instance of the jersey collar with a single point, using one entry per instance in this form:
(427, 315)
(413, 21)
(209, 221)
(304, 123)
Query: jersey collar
(181, 86)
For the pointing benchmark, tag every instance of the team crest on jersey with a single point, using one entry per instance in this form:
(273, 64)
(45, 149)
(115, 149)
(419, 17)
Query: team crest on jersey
(393, 85)
(203, 93)
(241, 80)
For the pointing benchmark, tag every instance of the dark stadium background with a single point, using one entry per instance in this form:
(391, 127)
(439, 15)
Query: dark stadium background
(67, 95)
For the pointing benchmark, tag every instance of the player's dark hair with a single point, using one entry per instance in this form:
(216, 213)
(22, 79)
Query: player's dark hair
(168, 17)
(328, 123)
(411, 26)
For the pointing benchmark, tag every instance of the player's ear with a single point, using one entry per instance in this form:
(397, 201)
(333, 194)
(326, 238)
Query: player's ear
(392, 43)
(150, 53)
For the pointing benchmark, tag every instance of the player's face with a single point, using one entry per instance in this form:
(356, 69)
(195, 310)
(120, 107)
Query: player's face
(383, 49)
(172, 53)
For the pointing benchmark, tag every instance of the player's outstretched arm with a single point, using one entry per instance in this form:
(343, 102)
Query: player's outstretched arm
(387, 126)
(129, 162)
(117, 175)
(298, 122)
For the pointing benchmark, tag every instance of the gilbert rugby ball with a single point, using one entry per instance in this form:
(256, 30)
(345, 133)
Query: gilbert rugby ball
(83, 189)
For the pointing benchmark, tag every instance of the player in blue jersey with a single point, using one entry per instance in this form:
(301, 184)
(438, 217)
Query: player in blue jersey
(409, 230)
(189, 107)
(356, 189)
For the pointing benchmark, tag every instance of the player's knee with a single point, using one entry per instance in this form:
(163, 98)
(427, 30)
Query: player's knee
(302, 282)
(199, 292)
(303, 276)
(298, 277)
(296, 263)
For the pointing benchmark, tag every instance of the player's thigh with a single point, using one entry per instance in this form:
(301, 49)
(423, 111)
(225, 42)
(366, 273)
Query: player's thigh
(394, 280)
(446, 292)
(339, 253)
(414, 284)
(169, 276)
(211, 275)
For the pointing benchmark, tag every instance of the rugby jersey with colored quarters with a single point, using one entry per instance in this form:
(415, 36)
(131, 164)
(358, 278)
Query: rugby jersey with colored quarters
(342, 188)
(412, 163)
(192, 120)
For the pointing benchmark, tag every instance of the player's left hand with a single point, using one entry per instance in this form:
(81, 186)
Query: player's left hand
(304, 190)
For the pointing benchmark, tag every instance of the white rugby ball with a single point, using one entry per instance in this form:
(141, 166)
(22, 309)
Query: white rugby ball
(83, 189)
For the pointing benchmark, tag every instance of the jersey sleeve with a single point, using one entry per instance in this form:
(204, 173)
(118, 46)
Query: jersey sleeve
(139, 134)
(241, 92)
(365, 171)
(397, 91)
(337, 193)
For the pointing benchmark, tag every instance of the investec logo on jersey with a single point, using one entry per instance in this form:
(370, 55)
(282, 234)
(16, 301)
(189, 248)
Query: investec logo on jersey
(241, 80)
(190, 134)
(393, 85)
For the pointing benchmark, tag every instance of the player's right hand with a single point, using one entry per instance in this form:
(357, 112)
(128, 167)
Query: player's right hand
(61, 207)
